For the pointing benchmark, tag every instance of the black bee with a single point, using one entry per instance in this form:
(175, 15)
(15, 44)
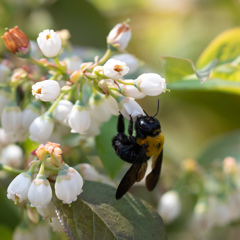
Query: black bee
(137, 150)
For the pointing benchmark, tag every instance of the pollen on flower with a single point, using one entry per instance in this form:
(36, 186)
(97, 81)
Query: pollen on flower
(118, 68)
(48, 36)
(38, 91)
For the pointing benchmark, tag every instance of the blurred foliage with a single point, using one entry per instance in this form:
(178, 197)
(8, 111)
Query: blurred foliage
(191, 119)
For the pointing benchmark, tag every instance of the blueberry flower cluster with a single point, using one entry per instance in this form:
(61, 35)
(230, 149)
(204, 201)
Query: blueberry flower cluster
(38, 191)
(78, 95)
(55, 94)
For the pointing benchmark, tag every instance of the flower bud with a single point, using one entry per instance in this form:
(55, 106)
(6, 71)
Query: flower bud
(11, 118)
(151, 84)
(49, 42)
(41, 128)
(129, 107)
(18, 188)
(12, 156)
(115, 69)
(40, 192)
(79, 118)
(68, 185)
(119, 36)
(169, 206)
(62, 111)
(46, 90)
(16, 41)
(75, 76)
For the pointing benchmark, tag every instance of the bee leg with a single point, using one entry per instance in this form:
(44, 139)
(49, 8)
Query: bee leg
(130, 131)
(120, 124)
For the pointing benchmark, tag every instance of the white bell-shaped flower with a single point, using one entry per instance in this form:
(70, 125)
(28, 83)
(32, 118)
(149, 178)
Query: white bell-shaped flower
(49, 42)
(112, 105)
(115, 69)
(79, 118)
(131, 90)
(151, 84)
(129, 107)
(48, 211)
(131, 61)
(4, 73)
(41, 128)
(119, 36)
(88, 172)
(40, 192)
(19, 187)
(11, 118)
(98, 107)
(62, 111)
(31, 112)
(68, 185)
(94, 128)
(12, 156)
(169, 206)
(46, 90)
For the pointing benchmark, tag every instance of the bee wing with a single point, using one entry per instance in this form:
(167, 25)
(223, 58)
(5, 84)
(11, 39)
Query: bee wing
(131, 176)
(153, 176)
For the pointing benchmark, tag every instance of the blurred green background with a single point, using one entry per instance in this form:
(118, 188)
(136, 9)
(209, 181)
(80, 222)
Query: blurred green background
(190, 119)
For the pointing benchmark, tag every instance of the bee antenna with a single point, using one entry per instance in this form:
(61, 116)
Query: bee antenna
(157, 110)
(145, 112)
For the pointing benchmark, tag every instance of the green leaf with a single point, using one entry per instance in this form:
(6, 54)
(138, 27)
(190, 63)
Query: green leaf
(179, 68)
(98, 215)
(110, 160)
(225, 48)
(227, 71)
(211, 85)
(221, 147)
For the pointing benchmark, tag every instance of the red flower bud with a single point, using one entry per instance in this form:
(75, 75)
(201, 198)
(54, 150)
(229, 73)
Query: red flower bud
(16, 41)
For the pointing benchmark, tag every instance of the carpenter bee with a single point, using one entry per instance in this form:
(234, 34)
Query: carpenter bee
(137, 150)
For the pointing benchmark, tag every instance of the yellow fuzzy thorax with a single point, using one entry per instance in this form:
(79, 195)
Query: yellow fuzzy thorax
(155, 144)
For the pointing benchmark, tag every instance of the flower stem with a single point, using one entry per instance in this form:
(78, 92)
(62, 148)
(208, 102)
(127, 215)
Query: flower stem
(50, 110)
(42, 168)
(105, 57)
(10, 169)
(124, 82)
(57, 160)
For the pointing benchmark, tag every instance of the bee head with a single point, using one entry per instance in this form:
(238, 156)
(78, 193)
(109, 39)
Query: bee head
(147, 126)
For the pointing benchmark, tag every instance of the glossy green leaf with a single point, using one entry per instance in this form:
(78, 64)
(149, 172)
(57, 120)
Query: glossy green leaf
(110, 160)
(221, 147)
(98, 215)
(211, 85)
(225, 48)
(179, 68)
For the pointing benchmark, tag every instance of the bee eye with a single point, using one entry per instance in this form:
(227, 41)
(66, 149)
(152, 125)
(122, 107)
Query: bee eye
(142, 124)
